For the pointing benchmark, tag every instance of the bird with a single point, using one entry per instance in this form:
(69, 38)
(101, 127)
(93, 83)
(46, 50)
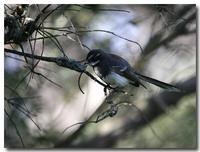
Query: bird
(117, 72)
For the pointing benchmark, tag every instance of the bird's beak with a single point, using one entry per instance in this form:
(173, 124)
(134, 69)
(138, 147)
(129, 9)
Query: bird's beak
(85, 62)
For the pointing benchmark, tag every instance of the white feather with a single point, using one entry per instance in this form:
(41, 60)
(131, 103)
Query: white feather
(95, 63)
(115, 79)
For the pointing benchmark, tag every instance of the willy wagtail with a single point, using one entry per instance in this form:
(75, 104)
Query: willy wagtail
(117, 72)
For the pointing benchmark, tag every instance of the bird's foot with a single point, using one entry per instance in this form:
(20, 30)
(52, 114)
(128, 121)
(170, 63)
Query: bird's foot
(106, 89)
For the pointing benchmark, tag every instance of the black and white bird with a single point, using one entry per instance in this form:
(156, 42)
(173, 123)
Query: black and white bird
(117, 72)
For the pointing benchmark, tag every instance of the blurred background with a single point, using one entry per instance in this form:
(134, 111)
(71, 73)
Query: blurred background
(43, 99)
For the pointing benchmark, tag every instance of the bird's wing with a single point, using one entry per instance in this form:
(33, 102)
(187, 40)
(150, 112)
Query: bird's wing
(123, 68)
(127, 72)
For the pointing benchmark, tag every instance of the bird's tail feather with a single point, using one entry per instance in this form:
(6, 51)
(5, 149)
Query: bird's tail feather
(163, 85)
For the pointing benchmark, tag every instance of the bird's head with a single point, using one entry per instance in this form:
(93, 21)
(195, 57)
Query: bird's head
(94, 57)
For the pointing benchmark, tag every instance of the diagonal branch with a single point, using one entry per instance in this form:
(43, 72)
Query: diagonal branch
(15, 126)
(60, 61)
(153, 110)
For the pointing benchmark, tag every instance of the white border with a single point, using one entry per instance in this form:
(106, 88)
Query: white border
(2, 79)
(64, 2)
(101, 2)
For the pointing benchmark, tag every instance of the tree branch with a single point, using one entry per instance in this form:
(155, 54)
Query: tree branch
(60, 61)
(158, 39)
(152, 111)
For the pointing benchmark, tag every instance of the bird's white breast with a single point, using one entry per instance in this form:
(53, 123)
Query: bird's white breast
(113, 79)
(116, 80)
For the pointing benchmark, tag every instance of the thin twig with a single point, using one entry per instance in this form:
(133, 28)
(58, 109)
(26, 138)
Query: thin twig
(20, 45)
(103, 9)
(109, 32)
(99, 118)
(15, 126)
(49, 14)
(96, 30)
(38, 66)
(93, 78)
(54, 40)
(22, 110)
(143, 116)
(20, 82)
(42, 12)
(57, 61)
(27, 115)
(39, 74)
(79, 80)
(21, 99)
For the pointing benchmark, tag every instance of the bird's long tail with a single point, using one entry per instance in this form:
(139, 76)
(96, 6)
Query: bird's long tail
(163, 85)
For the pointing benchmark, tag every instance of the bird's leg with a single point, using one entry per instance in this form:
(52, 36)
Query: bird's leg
(107, 87)
(107, 97)
(112, 93)
(105, 90)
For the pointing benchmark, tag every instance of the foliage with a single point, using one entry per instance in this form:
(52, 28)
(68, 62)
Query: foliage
(45, 78)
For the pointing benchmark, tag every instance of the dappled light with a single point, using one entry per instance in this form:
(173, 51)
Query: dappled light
(57, 94)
